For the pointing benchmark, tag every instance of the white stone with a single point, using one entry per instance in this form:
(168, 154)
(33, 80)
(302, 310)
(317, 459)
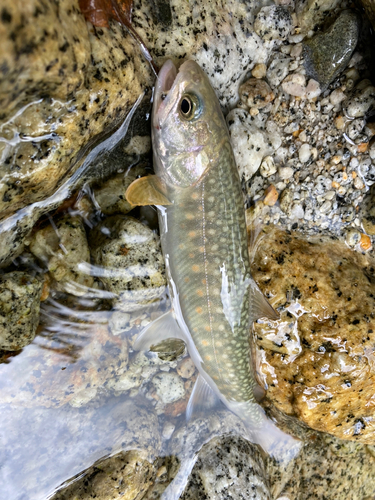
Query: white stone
(304, 153)
(169, 387)
(285, 172)
(337, 96)
(278, 70)
(250, 144)
(296, 50)
(312, 89)
(297, 211)
(295, 85)
(267, 167)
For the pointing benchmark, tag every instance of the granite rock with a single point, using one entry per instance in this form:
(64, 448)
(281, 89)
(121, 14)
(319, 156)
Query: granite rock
(316, 362)
(327, 54)
(62, 246)
(311, 13)
(273, 23)
(126, 475)
(228, 467)
(19, 309)
(128, 260)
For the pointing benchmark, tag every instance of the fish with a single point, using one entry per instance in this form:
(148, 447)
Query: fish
(197, 190)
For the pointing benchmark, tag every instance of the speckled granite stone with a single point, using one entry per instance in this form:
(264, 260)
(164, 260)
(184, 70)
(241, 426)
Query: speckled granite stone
(326, 468)
(317, 361)
(19, 309)
(125, 475)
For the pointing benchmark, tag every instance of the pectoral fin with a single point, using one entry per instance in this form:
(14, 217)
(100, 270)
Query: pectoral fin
(201, 397)
(164, 327)
(146, 191)
(259, 305)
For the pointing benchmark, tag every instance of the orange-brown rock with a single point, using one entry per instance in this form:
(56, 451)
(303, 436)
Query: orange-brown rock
(317, 362)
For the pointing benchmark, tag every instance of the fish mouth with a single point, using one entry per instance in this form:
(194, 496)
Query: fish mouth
(164, 83)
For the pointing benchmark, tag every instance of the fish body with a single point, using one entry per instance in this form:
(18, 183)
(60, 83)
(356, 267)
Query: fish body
(203, 234)
(204, 240)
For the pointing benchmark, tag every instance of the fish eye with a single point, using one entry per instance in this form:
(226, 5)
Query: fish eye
(189, 107)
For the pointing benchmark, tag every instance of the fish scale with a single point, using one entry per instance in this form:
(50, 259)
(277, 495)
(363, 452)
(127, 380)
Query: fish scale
(207, 244)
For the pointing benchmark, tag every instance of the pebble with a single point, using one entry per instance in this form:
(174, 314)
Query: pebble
(273, 23)
(250, 144)
(19, 309)
(285, 172)
(365, 242)
(327, 54)
(355, 127)
(168, 386)
(268, 166)
(186, 368)
(278, 70)
(361, 102)
(271, 196)
(336, 97)
(294, 84)
(259, 70)
(256, 93)
(304, 153)
(313, 89)
(353, 237)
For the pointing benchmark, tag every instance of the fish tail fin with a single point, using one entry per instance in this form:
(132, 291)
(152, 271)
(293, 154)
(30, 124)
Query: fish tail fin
(264, 432)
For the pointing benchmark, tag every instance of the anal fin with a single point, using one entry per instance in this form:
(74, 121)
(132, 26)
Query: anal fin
(164, 327)
(202, 397)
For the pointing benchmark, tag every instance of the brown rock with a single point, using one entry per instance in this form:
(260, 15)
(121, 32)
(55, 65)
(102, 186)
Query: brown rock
(317, 362)
(256, 93)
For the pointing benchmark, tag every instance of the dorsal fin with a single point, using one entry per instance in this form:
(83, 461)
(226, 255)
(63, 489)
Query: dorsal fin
(146, 191)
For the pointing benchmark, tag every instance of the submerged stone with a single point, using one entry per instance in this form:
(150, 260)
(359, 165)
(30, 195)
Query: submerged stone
(327, 54)
(19, 309)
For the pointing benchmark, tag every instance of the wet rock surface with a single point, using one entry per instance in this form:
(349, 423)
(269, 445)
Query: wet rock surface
(327, 54)
(128, 253)
(19, 309)
(126, 475)
(62, 247)
(317, 361)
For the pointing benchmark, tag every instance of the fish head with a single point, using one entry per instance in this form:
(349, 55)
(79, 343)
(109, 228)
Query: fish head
(188, 126)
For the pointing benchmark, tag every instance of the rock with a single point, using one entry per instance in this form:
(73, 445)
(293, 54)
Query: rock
(129, 254)
(278, 70)
(267, 166)
(327, 54)
(285, 172)
(259, 70)
(170, 349)
(169, 387)
(19, 309)
(62, 249)
(228, 467)
(110, 196)
(67, 371)
(311, 13)
(256, 93)
(331, 467)
(126, 475)
(304, 153)
(317, 362)
(250, 144)
(273, 23)
(361, 101)
(295, 84)
(186, 368)
(270, 196)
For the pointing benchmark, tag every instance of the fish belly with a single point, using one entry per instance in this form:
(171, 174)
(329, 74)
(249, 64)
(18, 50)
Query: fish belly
(206, 244)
